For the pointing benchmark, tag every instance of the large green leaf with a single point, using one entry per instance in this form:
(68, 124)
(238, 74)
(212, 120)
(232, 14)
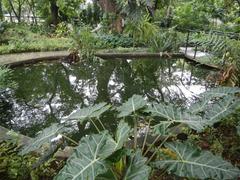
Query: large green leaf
(172, 114)
(206, 97)
(193, 163)
(88, 160)
(44, 137)
(122, 134)
(220, 92)
(137, 168)
(133, 104)
(221, 109)
(200, 105)
(89, 112)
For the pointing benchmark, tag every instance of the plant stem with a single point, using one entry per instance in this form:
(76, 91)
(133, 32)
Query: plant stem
(158, 148)
(135, 132)
(94, 125)
(152, 145)
(101, 123)
(70, 139)
(145, 138)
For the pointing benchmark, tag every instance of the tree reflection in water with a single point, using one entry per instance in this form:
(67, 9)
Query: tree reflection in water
(49, 91)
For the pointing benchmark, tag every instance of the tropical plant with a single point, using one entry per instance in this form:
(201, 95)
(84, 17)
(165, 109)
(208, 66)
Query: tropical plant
(141, 30)
(83, 41)
(191, 15)
(103, 156)
(114, 41)
(166, 40)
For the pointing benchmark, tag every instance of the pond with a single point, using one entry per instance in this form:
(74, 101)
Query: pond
(47, 92)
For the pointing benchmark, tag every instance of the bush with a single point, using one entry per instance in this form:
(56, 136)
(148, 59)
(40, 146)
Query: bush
(166, 40)
(84, 41)
(114, 41)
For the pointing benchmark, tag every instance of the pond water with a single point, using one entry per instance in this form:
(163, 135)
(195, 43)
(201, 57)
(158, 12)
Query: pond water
(47, 92)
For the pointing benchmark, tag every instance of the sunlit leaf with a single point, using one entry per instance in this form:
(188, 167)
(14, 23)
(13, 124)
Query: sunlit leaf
(43, 138)
(193, 163)
(137, 168)
(133, 104)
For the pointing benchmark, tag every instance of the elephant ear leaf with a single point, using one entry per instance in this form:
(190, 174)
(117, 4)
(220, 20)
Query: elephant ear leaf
(94, 111)
(207, 97)
(133, 104)
(190, 162)
(137, 168)
(89, 159)
(221, 109)
(220, 92)
(44, 137)
(122, 134)
(172, 114)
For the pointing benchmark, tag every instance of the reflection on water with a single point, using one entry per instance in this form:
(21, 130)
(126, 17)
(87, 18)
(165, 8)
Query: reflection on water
(48, 92)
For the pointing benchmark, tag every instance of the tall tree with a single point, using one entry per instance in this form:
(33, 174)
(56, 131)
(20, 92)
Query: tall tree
(54, 9)
(16, 8)
(110, 7)
(1, 11)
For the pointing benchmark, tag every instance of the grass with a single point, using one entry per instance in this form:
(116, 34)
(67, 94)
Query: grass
(23, 38)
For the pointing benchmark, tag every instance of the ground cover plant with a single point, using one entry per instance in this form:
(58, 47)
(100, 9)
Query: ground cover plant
(23, 38)
(121, 156)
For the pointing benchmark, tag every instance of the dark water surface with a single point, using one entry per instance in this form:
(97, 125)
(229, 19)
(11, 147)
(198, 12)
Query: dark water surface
(47, 92)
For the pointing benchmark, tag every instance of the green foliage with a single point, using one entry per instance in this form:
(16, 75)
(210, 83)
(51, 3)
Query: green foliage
(114, 41)
(92, 15)
(141, 30)
(89, 112)
(173, 114)
(137, 168)
(100, 155)
(131, 106)
(44, 137)
(212, 42)
(166, 40)
(190, 15)
(23, 38)
(89, 159)
(193, 163)
(62, 30)
(84, 41)
(14, 166)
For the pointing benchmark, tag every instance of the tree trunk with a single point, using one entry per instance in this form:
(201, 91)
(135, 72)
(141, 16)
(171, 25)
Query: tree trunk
(14, 11)
(11, 19)
(109, 6)
(54, 12)
(1, 11)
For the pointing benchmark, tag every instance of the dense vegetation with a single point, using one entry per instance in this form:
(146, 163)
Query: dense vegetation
(153, 139)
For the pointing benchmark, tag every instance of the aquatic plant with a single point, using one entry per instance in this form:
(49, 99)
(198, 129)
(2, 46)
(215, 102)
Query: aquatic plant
(106, 156)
